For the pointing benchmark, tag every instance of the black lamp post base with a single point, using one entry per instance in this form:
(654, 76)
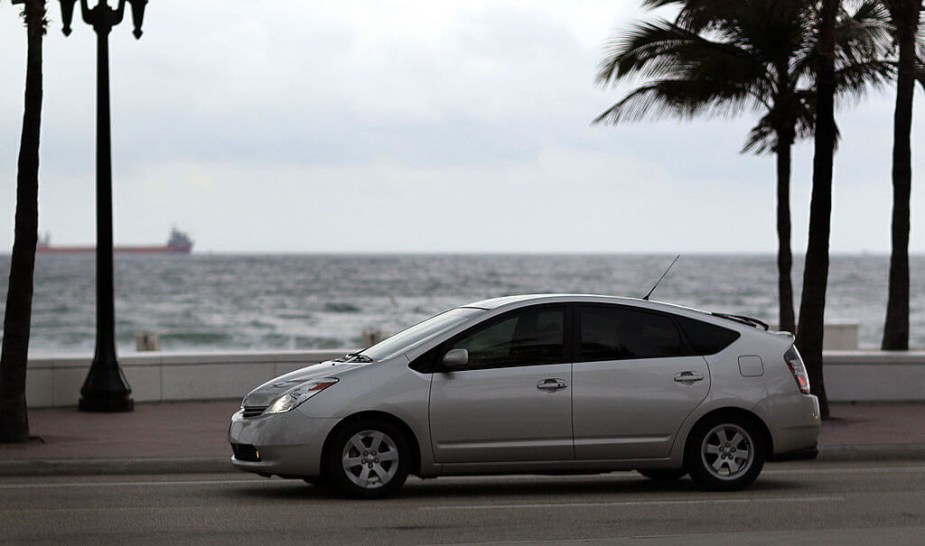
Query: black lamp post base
(106, 403)
(105, 389)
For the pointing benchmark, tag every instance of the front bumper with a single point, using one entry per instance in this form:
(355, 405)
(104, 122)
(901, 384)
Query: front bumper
(287, 444)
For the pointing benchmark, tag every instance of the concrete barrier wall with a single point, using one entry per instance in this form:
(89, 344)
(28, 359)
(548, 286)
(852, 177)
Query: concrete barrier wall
(874, 376)
(154, 377)
(850, 376)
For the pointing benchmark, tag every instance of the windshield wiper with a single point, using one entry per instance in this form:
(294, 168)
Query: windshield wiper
(358, 357)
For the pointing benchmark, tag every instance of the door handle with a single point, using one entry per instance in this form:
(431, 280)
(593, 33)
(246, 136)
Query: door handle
(688, 377)
(552, 385)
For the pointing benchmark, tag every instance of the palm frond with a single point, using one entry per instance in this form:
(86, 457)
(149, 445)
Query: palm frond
(663, 50)
(864, 34)
(649, 44)
(805, 113)
(761, 139)
(725, 56)
(795, 115)
(701, 15)
(871, 10)
(682, 99)
(862, 37)
(655, 4)
(853, 79)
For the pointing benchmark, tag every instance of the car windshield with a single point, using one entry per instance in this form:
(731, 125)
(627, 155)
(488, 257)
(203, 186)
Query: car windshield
(420, 333)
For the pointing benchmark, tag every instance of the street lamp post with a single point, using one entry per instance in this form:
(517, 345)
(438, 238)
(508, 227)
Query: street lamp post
(105, 389)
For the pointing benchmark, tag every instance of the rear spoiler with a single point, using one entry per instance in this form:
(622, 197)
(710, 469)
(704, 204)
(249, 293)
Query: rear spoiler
(742, 319)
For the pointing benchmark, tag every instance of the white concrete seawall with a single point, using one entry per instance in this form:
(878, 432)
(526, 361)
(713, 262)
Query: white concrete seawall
(55, 381)
(874, 376)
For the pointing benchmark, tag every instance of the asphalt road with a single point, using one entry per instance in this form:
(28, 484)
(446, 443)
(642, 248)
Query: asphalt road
(798, 503)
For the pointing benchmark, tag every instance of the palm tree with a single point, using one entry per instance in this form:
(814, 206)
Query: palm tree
(816, 269)
(905, 17)
(14, 355)
(726, 56)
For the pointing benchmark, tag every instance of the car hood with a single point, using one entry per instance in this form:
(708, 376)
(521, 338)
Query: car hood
(263, 395)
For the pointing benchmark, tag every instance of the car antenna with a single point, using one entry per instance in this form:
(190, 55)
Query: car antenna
(646, 297)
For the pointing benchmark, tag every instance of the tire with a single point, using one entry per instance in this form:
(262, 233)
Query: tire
(664, 474)
(367, 459)
(725, 453)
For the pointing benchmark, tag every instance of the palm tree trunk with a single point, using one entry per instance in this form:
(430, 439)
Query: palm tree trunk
(14, 354)
(784, 253)
(905, 15)
(816, 270)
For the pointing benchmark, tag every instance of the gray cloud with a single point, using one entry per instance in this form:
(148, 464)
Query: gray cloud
(263, 126)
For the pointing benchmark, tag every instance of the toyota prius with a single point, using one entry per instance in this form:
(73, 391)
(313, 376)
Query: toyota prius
(539, 384)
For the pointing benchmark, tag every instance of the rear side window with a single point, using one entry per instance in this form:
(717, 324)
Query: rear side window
(707, 339)
(619, 333)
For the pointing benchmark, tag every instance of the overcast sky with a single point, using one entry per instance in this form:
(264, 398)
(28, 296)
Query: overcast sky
(408, 126)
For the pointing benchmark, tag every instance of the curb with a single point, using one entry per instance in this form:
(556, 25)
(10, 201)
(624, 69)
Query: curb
(209, 465)
(91, 467)
(871, 453)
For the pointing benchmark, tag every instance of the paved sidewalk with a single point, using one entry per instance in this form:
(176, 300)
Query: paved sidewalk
(190, 437)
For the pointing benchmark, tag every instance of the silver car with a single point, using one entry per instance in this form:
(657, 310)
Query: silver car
(539, 384)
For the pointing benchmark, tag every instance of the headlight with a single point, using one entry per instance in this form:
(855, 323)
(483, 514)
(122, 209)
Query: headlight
(296, 395)
(282, 404)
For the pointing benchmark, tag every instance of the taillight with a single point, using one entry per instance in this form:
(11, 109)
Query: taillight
(795, 363)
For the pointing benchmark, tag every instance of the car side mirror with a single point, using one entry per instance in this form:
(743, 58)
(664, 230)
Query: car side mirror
(456, 359)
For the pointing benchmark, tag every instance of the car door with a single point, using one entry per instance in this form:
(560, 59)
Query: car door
(513, 401)
(635, 381)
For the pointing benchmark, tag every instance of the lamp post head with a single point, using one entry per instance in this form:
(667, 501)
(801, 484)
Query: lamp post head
(138, 15)
(67, 15)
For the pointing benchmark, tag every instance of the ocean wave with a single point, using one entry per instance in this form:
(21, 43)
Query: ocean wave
(341, 307)
(320, 302)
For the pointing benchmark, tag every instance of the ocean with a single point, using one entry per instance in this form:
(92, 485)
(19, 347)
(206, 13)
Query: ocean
(204, 302)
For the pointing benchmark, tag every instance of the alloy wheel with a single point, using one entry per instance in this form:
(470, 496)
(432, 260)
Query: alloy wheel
(727, 451)
(370, 459)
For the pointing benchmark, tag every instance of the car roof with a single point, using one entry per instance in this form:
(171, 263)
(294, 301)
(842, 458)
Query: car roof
(515, 301)
(512, 302)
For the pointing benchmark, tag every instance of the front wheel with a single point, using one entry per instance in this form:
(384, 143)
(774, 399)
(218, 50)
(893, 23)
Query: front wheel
(725, 453)
(368, 459)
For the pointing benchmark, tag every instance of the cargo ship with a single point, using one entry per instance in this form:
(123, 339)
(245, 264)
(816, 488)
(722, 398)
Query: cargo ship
(178, 243)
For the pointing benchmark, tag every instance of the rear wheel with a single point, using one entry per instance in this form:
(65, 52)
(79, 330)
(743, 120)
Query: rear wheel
(725, 453)
(368, 459)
